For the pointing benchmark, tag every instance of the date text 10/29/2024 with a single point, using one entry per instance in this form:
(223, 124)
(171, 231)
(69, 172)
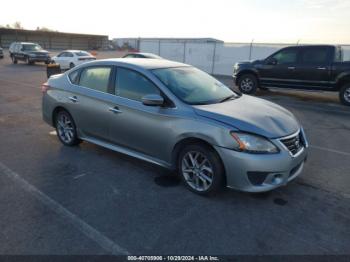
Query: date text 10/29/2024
(173, 258)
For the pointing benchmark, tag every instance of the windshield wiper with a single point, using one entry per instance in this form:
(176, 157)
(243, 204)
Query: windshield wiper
(227, 98)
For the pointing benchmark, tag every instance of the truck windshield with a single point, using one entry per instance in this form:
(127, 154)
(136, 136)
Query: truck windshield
(32, 47)
(194, 86)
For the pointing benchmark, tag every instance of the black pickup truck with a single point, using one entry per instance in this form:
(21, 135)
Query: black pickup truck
(311, 67)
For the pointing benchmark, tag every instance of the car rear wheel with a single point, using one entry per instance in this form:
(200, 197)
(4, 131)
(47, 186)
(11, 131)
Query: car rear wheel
(71, 65)
(248, 84)
(66, 129)
(201, 169)
(344, 94)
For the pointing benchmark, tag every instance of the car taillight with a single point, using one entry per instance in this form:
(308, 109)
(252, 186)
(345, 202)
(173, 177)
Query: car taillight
(45, 87)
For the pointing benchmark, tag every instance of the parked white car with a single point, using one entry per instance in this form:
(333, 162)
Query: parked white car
(70, 58)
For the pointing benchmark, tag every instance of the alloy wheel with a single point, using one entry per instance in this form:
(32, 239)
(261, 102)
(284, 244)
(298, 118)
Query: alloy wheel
(247, 85)
(347, 95)
(65, 128)
(197, 171)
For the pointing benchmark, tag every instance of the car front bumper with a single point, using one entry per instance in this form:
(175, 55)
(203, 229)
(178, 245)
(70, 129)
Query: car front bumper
(39, 59)
(261, 172)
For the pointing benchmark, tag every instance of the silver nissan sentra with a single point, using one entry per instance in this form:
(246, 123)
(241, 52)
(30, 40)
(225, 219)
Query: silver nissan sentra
(176, 116)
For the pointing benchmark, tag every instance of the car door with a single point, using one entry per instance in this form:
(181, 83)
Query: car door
(279, 69)
(135, 126)
(19, 52)
(90, 101)
(314, 68)
(60, 59)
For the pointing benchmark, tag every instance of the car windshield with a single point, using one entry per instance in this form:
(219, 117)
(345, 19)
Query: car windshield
(32, 47)
(82, 53)
(194, 86)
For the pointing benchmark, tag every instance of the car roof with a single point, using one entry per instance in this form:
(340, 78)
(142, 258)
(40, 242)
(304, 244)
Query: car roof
(75, 51)
(142, 62)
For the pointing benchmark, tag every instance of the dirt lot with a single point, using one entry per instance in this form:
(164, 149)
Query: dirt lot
(90, 200)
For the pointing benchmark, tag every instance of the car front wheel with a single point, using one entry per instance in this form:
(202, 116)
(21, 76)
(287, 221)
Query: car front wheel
(344, 95)
(66, 129)
(201, 169)
(248, 84)
(14, 60)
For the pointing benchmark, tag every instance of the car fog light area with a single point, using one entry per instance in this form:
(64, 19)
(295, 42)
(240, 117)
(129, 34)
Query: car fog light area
(277, 179)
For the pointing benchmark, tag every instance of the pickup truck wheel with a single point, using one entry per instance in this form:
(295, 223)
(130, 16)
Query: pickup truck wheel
(344, 94)
(248, 84)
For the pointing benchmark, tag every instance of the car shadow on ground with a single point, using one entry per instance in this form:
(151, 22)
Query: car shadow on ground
(168, 179)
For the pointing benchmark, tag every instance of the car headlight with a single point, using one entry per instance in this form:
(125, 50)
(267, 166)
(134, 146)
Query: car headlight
(254, 144)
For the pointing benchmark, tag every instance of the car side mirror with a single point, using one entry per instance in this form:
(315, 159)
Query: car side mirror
(153, 100)
(271, 61)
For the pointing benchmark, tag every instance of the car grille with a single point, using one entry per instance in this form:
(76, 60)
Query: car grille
(294, 144)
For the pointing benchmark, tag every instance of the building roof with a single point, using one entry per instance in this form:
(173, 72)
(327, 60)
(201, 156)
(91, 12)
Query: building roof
(40, 32)
(204, 39)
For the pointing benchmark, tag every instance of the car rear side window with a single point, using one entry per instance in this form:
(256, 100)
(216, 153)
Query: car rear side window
(287, 56)
(133, 85)
(96, 78)
(315, 55)
(74, 77)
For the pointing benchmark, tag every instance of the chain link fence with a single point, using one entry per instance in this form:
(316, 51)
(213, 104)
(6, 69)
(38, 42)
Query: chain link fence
(216, 58)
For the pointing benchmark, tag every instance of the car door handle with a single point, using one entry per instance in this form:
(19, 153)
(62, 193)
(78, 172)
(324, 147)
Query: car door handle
(321, 68)
(73, 99)
(115, 110)
(291, 67)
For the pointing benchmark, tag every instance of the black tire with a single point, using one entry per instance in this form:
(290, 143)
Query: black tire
(71, 65)
(344, 94)
(68, 140)
(213, 162)
(27, 60)
(248, 84)
(14, 60)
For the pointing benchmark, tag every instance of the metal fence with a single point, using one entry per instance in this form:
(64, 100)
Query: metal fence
(213, 57)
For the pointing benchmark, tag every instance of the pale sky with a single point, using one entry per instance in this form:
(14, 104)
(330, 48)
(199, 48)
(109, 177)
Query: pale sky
(287, 21)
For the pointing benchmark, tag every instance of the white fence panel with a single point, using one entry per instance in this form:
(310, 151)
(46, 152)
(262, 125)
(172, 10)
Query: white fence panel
(261, 51)
(200, 55)
(226, 55)
(214, 58)
(149, 47)
(172, 51)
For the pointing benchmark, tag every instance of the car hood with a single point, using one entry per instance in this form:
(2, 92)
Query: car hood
(253, 115)
(252, 62)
